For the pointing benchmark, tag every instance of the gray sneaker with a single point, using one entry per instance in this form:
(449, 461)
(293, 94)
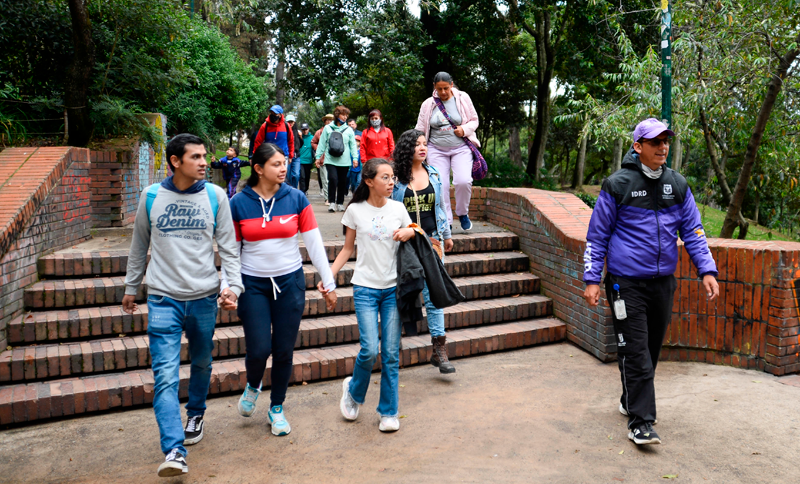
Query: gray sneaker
(347, 405)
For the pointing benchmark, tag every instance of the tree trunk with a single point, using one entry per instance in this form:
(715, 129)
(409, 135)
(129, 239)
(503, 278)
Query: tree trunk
(677, 154)
(773, 89)
(514, 150)
(77, 81)
(280, 88)
(580, 165)
(617, 155)
(758, 207)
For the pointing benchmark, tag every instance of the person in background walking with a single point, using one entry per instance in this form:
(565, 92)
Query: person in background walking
(306, 157)
(275, 130)
(446, 148)
(378, 224)
(267, 216)
(294, 164)
(183, 288)
(338, 144)
(354, 175)
(419, 188)
(230, 164)
(634, 230)
(322, 173)
(377, 140)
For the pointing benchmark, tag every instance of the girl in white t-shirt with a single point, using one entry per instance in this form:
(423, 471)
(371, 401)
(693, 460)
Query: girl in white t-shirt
(379, 224)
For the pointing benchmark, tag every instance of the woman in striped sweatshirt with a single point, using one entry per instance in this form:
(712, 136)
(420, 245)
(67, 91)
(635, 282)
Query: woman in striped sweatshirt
(267, 215)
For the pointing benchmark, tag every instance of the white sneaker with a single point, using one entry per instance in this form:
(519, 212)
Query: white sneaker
(389, 424)
(625, 412)
(340, 208)
(332, 207)
(347, 405)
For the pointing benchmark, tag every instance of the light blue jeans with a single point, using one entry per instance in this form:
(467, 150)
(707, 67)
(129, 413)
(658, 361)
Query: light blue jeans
(294, 173)
(370, 305)
(435, 315)
(167, 319)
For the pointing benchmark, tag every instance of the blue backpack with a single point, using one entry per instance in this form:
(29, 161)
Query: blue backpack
(152, 191)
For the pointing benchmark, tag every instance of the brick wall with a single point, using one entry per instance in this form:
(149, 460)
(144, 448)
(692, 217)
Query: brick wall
(755, 323)
(116, 183)
(50, 200)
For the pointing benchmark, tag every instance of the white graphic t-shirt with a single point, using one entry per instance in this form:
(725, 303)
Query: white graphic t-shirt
(376, 262)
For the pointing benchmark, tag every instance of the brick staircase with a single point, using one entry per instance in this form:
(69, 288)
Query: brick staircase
(76, 352)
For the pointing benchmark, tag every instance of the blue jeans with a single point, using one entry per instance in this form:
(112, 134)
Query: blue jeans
(370, 304)
(435, 315)
(354, 179)
(167, 319)
(294, 172)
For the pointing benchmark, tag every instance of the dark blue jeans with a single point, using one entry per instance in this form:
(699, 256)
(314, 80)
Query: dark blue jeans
(276, 304)
(168, 319)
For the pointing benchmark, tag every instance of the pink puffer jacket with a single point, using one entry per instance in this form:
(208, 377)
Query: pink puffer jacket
(469, 117)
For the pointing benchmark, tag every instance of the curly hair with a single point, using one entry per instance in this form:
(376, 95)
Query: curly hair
(404, 154)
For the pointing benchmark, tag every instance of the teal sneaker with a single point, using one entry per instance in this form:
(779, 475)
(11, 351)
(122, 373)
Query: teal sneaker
(277, 420)
(247, 402)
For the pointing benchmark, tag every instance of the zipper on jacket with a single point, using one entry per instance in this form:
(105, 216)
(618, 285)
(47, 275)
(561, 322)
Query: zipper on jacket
(658, 230)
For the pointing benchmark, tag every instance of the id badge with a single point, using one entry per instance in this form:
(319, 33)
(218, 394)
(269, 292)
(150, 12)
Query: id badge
(619, 309)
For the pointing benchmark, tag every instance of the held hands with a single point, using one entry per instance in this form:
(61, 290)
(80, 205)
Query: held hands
(403, 235)
(592, 294)
(128, 304)
(330, 296)
(318, 163)
(227, 300)
(459, 131)
(711, 286)
(355, 163)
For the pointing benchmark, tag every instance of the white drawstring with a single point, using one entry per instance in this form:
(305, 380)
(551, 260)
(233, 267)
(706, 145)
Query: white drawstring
(275, 288)
(264, 211)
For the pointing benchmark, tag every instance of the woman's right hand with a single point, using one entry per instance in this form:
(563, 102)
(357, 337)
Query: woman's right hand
(330, 300)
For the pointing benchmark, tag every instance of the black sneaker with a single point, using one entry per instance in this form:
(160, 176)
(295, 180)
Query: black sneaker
(644, 434)
(174, 465)
(193, 432)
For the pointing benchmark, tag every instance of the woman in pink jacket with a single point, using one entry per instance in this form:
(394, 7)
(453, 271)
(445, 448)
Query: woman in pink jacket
(446, 148)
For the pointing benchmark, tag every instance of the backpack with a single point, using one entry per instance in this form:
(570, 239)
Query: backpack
(152, 191)
(336, 143)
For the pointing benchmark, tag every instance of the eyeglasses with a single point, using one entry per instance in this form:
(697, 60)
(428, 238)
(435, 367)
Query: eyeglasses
(655, 142)
(386, 178)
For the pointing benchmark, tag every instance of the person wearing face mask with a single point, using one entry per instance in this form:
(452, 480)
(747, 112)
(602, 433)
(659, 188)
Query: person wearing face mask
(322, 173)
(377, 141)
(338, 145)
(447, 149)
(275, 130)
(634, 231)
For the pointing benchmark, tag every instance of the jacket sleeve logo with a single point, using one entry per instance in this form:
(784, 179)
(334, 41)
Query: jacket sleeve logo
(587, 258)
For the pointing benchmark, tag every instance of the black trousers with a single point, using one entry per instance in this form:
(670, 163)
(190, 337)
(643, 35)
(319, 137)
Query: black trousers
(337, 183)
(640, 336)
(305, 177)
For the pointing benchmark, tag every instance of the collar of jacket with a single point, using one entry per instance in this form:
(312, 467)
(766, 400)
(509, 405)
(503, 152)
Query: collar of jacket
(633, 162)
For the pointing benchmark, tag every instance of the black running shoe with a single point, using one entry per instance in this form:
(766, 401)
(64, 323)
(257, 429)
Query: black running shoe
(644, 434)
(193, 432)
(174, 465)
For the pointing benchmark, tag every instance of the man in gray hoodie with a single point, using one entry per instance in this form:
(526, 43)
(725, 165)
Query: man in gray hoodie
(178, 220)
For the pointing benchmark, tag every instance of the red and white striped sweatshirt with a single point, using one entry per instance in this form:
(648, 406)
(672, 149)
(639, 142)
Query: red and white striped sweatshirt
(267, 231)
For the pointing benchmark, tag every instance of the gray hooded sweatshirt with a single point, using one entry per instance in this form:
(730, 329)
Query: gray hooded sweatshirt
(181, 233)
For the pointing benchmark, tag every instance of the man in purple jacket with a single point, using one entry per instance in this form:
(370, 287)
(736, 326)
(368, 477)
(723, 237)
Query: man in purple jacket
(634, 230)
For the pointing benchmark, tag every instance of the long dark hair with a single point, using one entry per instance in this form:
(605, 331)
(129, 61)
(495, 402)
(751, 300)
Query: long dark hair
(403, 155)
(368, 172)
(369, 118)
(261, 156)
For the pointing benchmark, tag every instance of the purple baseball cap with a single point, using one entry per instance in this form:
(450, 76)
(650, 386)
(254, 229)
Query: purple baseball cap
(649, 129)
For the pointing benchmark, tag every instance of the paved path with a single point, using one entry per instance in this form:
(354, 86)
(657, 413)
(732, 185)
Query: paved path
(545, 414)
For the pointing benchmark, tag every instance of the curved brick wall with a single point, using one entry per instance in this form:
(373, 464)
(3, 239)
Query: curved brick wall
(754, 324)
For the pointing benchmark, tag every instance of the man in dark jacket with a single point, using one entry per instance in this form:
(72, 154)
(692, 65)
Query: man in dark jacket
(633, 229)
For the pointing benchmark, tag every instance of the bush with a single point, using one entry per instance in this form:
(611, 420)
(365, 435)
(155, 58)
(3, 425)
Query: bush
(589, 200)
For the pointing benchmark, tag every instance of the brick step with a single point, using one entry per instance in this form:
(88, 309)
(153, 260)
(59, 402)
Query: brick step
(29, 363)
(105, 321)
(65, 265)
(20, 403)
(76, 293)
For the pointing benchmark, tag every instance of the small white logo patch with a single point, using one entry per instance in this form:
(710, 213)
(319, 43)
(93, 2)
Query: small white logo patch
(621, 340)
(667, 189)
(640, 193)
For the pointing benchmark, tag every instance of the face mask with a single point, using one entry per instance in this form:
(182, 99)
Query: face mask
(376, 123)
(274, 118)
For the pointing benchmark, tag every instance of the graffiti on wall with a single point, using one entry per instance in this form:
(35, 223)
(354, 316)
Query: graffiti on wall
(144, 164)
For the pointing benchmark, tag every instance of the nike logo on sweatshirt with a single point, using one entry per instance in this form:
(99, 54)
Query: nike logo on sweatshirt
(285, 220)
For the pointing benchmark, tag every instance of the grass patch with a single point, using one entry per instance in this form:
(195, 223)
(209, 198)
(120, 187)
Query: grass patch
(712, 222)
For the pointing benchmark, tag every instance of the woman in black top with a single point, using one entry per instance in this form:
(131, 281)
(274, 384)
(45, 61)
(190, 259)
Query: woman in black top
(415, 175)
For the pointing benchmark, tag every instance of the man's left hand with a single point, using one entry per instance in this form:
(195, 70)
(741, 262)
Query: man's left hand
(712, 286)
(227, 300)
